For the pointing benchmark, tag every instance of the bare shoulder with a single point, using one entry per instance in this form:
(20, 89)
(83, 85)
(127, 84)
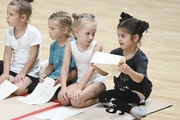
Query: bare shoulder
(98, 47)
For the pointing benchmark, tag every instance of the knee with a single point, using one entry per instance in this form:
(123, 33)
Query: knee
(76, 104)
(65, 103)
(20, 92)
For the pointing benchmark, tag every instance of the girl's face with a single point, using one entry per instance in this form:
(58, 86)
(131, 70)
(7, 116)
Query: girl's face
(55, 31)
(125, 39)
(86, 33)
(12, 17)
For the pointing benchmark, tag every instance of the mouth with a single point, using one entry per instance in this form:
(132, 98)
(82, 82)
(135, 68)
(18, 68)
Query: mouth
(121, 44)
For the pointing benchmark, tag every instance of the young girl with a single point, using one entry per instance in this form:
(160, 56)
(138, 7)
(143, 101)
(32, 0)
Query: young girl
(89, 83)
(132, 85)
(60, 30)
(22, 43)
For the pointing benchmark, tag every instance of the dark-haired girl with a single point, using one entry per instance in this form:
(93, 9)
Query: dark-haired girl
(132, 86)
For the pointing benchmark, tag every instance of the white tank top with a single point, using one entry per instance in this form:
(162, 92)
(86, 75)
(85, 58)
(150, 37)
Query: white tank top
(82, 60)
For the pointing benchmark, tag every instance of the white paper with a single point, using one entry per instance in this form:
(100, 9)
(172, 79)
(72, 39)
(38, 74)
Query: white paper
(108, 62)
(59, 113)
(6, 89)
(42, 93)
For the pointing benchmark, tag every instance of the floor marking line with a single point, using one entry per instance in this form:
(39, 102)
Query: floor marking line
(36, 112)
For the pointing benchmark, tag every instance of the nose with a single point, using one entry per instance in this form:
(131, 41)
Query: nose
(49, 31)
(91, 37)
(119, 39)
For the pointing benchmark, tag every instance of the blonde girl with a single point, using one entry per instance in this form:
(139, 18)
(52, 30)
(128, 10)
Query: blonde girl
(60, 30)
(89, 83)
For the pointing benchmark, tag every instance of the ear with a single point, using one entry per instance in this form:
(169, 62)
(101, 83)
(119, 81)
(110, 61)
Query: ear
(136, 38)
(23, 17)
(75, 31)
(66, 30)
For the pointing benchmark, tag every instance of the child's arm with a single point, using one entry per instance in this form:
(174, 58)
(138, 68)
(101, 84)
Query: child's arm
(135, 76)
(72, 75)
(65, 66)
(47, 71)
(100, 71)
(6, 63)
(7, 58)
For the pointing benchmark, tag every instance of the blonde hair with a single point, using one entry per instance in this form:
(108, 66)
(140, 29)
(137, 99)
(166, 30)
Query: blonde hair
(23, 7)
(83, 18)
(64, 20)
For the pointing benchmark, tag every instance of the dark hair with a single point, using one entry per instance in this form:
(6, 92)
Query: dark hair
(132, 25)
(23, 7)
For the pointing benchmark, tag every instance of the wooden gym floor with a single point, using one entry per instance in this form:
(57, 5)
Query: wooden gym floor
(161, 44)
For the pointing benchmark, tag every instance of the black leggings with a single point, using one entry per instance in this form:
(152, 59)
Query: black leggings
(121, 99)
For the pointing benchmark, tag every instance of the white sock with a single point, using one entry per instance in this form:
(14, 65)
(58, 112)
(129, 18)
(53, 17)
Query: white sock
(142, 110)
(136, 113)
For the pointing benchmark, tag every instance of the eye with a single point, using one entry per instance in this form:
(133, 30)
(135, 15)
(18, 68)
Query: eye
(123, 36)
(87, 33)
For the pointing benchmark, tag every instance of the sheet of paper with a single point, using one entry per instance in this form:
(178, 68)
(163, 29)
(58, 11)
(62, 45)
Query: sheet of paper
(108, 62)
(59, 113)
(6, 89)
(42, 93)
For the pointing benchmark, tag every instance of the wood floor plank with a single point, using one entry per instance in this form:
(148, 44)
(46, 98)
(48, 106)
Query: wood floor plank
(161, 44)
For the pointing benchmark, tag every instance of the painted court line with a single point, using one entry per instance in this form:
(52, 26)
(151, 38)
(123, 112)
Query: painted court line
(37, 111)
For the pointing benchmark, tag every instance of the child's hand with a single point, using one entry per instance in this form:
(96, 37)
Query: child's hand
(20, 77)
(76, 94)
(3, 77)
(42, 76)
(124, 68)
(62, 96)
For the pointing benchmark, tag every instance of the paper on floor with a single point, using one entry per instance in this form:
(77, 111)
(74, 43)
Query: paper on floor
(6, 89)
(42, 93)
(59, 113)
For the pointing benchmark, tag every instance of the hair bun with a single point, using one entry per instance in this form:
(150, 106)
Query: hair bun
(142, 26)
(75, 16)
(124, 16)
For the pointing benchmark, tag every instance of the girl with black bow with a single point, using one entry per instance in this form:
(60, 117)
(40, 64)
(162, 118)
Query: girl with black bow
(132, 86)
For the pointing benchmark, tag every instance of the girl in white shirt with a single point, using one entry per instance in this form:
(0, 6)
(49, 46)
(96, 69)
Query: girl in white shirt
(22, 45)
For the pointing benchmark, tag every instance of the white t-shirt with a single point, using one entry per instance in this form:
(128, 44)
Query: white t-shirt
(21, 49)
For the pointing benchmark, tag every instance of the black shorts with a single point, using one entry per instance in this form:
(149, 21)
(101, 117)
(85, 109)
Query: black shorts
(34, 80)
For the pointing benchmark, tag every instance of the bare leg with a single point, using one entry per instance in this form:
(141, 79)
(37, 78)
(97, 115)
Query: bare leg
(70, 89)
(22, 85)
(89, 95)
